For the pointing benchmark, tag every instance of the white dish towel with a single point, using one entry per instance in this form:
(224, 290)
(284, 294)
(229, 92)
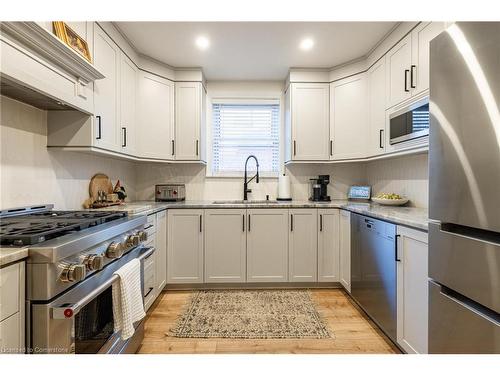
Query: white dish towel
(128, 307)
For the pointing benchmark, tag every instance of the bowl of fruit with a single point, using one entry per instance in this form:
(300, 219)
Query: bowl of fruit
(390, 199)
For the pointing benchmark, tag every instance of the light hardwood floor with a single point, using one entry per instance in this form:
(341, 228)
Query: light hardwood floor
(353, 330)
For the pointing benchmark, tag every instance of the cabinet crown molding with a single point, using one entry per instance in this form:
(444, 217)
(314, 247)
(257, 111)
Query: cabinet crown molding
(43, 43)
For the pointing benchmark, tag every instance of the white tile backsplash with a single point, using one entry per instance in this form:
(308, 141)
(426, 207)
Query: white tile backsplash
(198, 186)
(406, 175)
(32, 174)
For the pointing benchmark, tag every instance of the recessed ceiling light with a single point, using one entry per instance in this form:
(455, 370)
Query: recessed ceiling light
(202, 42)
(306, 44)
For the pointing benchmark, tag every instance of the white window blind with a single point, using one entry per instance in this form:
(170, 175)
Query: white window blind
(240, 130)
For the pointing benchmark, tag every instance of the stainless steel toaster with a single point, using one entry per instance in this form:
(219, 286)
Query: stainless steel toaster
(170, 192)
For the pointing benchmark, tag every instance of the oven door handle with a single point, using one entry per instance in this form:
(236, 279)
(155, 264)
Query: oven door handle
(69, 310)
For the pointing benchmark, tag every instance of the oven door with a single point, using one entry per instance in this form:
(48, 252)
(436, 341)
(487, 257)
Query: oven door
(410, 123)
(81, 320)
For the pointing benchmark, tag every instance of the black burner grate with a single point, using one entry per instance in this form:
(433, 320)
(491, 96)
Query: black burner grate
(38, 227)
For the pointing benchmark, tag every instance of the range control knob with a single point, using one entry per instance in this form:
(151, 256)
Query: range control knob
(115, 250)
(143, 235)
(94, 262)
(133, 240)
(73, 272)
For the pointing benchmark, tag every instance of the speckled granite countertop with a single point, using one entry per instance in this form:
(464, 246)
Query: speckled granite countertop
(12, 254)
(408, 216)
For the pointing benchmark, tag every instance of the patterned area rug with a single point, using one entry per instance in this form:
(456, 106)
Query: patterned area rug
(251, 314)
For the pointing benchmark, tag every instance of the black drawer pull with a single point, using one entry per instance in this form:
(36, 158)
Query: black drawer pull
(396, 255)
(412, 80)
(406, 80)
(98, 118)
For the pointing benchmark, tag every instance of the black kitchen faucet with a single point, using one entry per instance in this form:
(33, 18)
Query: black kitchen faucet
(246, 190)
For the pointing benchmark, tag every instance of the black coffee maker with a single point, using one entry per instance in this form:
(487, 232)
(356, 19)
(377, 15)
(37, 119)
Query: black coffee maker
(318, 188)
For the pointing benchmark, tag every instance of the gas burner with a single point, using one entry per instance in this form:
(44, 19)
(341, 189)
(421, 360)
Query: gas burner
(38, 227)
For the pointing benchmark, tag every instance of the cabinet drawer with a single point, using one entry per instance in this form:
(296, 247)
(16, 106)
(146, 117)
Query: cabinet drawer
(148, 262)
(149, 284)
(151, 222)
(9, 290)
(10, 335)
(458, 326)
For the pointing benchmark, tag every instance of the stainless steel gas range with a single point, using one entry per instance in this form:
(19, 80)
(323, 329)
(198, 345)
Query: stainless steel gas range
(72, 258)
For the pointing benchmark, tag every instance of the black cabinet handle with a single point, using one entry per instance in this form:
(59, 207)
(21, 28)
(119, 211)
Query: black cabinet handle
(197, 147)
(396, 249)
(406, 80)
(294, 148)
(249, 226)
(200, 222)
(291, 222)
(321, 223)
(173, 147)
(381, 132)
(331, 147)
(149, 291)
(98, 118)
(412, 80)
(124, 143)
(243, 217)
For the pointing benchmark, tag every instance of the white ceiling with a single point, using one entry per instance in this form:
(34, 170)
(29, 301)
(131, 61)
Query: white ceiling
(254, 50)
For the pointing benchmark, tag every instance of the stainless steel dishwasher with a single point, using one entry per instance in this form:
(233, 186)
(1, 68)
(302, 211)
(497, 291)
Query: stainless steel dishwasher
(373, 270)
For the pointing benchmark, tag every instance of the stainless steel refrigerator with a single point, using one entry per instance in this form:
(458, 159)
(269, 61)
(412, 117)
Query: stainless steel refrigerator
(464, 186)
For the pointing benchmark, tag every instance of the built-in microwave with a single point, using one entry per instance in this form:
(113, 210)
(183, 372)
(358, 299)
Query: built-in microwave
(410, 122)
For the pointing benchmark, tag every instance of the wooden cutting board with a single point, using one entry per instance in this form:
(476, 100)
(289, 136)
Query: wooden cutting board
(100, 181)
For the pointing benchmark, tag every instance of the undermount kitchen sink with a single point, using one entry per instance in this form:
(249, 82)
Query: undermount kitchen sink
(241, 201)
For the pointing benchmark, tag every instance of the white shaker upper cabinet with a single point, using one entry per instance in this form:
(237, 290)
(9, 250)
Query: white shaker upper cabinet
(225, 245)
(128, 91)
(155, 120)
(303, 245)
(349, 117)
(188, 120)
(376, 77)
(106, 91)
(310, 113)
(421, 38)
(398, 66)
(328, 245)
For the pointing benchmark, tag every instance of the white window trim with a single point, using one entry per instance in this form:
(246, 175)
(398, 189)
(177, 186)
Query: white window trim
(248, 101)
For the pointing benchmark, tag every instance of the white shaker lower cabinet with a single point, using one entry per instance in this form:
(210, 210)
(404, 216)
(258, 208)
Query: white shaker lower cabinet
(303, 245)
(225, 245)
(328, 245)
(161, 250)
(185, 246)
(267, 245)
(412, 292)
(345, 249)
(12, 322)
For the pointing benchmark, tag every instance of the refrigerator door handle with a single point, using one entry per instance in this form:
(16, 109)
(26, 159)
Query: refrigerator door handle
(472, 306)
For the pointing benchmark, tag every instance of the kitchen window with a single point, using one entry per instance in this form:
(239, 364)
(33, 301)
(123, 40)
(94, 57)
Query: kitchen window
(241, 129)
